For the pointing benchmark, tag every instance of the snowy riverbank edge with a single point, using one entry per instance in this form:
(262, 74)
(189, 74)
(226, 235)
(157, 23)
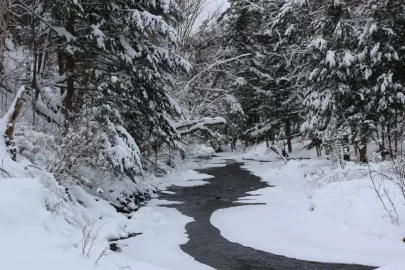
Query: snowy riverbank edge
(338, 222)
(43, 226)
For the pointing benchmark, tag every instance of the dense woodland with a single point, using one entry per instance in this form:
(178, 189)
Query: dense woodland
(127, 87)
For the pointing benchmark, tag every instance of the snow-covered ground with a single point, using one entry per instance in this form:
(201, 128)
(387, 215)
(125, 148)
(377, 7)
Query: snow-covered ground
(163, 231)
(312, 212)
(45, 226)
(315, 213)
(393, 266)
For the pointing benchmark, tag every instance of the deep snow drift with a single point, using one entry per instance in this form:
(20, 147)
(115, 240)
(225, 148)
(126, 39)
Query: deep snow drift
(315, 213)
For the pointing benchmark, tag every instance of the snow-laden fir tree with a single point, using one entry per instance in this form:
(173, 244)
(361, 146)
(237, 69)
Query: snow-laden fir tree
(109, 68)
(244, 20)
(332, 93)
(284, 39)
(381, 40)
(122, 73)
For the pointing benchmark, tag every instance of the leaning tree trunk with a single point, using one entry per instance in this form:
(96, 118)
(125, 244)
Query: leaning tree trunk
(9, 120)
(3, 25)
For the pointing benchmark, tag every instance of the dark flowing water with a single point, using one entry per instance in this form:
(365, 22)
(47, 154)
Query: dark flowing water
(207, 245)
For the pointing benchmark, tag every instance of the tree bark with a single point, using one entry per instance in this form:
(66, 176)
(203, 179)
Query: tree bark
(70, 65)
(396, 132)
(382, 144)
(288, 134)
(389, 140)
(10, 120)
(363, 150)
(3, 27)
(34, 74)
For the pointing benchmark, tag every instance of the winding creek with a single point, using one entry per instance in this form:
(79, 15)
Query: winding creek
(207, 245)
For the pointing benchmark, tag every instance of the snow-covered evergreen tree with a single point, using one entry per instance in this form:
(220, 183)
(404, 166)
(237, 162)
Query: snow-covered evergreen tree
(126, 61)
(285, 49)
(244, 21)
(381, 42)
(109, 68)
(332, 93)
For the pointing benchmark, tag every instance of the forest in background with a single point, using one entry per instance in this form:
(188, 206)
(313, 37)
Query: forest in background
(116, 90)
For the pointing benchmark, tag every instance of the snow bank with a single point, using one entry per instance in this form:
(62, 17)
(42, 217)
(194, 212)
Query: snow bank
(163, 231)
(32, 237)
(43, 225)
(393, 266)
(262, 153)
(259, 152)
(200, 151)
(335, 222)
(187, 178)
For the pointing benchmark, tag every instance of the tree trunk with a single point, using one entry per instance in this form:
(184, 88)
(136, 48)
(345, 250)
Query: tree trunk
(11, 118)
(396, 133)
(383, 152)
(3, 26)
(34, 74)
(363, 150)
(389, 140)
(288, 134)
(34, 92)
(70, 66)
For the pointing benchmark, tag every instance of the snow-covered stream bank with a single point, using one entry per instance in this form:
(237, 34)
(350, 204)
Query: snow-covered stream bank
(339, 222)
(44, 226)
(163, 229)
(205, 241)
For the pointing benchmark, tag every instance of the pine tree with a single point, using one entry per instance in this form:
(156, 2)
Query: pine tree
(285, 43)
(244, 21)
(124, 57)
(382, 64)
(331, 91)
(116, 60)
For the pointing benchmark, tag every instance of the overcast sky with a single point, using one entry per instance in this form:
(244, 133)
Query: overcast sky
(212, 6)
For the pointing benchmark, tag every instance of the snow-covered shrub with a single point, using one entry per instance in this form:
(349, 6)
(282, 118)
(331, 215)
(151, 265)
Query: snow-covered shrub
(386, 190)
(388, 181)
(258, 151)
(96, 158)
(38, 147)
(200, 151)
(324, 174)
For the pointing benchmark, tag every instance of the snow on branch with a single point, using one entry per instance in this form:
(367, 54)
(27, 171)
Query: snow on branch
(210, 67)
(61, 31)
(250, 4)
(260, 129)
(146, 21)
(125, 153)
(186, 127)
